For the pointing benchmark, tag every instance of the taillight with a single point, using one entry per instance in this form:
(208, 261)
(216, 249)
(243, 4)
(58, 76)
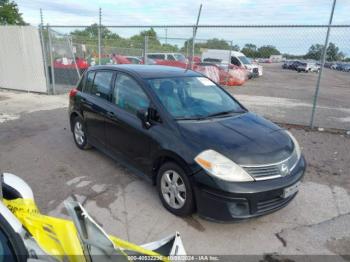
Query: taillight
(73, 92)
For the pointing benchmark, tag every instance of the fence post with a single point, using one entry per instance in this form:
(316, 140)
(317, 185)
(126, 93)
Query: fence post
(323, 59)
(72, 53)
(99, 35)
(145, 47)
(53, 87)
(229, 63)
(44, 50)
(194, 34)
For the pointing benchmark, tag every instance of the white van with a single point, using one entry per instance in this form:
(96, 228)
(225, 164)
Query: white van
(237, 58)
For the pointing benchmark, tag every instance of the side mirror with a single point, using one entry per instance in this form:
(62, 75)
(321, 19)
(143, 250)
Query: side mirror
(144, 116)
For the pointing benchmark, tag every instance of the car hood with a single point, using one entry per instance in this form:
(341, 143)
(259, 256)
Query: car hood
(246, 139)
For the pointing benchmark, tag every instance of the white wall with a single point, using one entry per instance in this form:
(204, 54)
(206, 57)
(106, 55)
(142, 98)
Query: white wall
(21, 59)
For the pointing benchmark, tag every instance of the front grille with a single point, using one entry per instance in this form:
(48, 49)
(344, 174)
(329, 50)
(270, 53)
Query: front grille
(270, 171)
(263, 171)
(271, 204)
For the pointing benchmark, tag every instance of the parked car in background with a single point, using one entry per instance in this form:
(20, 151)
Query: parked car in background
(294, 65)
(328, 64)
(134, 59)
(265, 60)
(335, 66)
(237, 58)
(308, 67)
(168, 56)
(287, 64)
(224, 74)
(201, 148)
(346, 68)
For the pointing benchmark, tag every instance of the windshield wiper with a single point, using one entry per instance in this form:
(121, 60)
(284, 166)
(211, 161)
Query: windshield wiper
(222, 113)
(191, 118)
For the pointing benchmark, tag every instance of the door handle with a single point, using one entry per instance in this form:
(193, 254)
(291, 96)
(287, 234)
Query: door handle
(111, 114)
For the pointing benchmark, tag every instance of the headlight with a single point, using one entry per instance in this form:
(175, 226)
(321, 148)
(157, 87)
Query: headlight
(296, 144)
(221, 167)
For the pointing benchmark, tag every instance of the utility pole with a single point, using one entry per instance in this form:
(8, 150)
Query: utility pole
(166, 35)
(99, 35)
(323, 59)
(194, 34)
(44, 50)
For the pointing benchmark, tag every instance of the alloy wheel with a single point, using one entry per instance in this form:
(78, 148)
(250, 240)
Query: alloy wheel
(173, 189)
(79, 133)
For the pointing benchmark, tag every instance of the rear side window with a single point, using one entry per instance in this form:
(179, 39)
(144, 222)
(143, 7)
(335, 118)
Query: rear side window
(156, 56)
(89, 81)
(81, 83)
(171, 57)
(102, 84)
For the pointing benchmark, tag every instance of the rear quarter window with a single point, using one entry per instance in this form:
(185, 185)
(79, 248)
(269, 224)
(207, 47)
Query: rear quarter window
(81, 83)
(89, 82)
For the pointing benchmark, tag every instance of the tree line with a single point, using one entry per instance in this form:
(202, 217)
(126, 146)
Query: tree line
(90, 34)
(10, 15)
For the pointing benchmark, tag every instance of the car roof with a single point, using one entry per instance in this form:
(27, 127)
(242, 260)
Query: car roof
(149, 71)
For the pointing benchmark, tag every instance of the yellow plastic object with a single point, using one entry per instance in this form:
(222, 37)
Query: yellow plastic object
(59, 237)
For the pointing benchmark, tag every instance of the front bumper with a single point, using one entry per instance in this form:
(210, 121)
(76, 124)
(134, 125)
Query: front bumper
(226, 201)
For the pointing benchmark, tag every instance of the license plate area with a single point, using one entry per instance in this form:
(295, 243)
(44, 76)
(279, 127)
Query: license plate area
(288, 191)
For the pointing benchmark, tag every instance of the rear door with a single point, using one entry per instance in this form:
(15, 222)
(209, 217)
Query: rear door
(125, 135)
(96, 96)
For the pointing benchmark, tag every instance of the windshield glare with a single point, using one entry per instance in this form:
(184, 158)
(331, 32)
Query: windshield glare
(193, 97)
(244, 60)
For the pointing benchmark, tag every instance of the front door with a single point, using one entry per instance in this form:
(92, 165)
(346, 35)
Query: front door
(125, 134)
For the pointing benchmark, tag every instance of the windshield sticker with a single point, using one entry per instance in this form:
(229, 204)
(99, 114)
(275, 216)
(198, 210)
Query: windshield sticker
(205, 81)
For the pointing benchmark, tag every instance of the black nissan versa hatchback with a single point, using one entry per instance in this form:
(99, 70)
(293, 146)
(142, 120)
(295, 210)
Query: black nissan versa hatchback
(202, 149)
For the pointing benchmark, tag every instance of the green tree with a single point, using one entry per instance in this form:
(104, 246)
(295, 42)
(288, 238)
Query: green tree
(235, 48)
(153, 41)
(91, 32)
(333, 53)
(216, 43)
(266, 51)
(250, 50)
(315, 52)
(213, 43)
(9, 13)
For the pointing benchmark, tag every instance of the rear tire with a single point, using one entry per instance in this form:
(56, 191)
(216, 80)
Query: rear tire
(79, 134)
(175, 189)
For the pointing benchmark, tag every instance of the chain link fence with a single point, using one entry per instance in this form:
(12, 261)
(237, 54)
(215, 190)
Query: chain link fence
(273, 70)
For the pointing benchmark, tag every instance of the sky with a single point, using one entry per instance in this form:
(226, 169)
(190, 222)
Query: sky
(184, 12)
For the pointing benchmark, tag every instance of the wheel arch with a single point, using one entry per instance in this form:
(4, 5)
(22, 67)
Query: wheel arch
(168, 156)
(72, 116)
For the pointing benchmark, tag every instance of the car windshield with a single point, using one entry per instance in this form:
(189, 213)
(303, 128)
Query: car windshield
(194, 98)
(244, 60)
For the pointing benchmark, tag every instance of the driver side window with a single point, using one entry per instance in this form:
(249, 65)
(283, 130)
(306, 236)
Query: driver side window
(128, 95)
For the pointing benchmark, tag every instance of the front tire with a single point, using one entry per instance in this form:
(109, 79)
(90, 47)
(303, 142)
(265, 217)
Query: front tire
(79, 134)
(175, 190)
